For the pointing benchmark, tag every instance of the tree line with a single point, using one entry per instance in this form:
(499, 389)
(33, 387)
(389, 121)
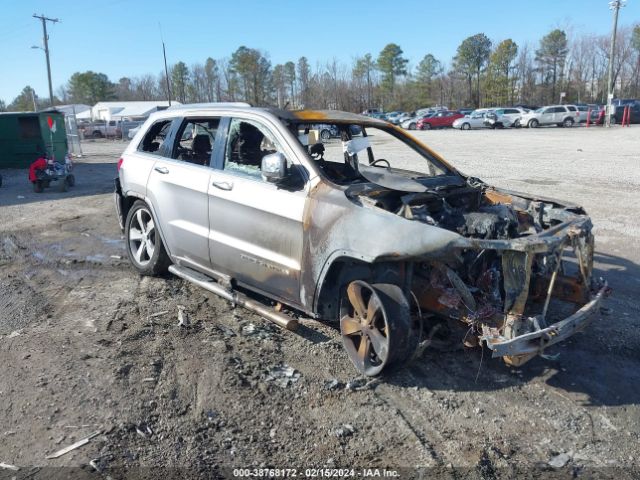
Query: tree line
(483, 73)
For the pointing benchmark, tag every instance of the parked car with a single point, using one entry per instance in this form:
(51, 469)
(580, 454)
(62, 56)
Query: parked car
(598, 115)
(372, 111)
(248, 210)
(101, 129)
(405, 116)
(412, 123)
(473, 120)
(394, 117)
(331, 131)
(560, 115)
(466, 111)
(439, 120)
(133, 131)
(504, 117)
(634, 111)
(583, 111)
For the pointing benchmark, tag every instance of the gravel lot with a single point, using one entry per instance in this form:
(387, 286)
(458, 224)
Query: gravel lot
(89, 346)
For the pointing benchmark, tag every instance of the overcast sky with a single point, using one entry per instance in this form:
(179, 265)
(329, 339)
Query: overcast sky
(122, 38)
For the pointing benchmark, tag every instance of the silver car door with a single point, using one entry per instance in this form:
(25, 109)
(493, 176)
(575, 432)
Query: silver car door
(256, 229)
(178, 189)
(547, 116)
(150, 148)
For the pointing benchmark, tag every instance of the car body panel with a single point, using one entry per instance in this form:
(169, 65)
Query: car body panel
(301, 243)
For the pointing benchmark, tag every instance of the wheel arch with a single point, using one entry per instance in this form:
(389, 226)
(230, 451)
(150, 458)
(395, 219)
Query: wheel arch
(345, 268)
(129, 200)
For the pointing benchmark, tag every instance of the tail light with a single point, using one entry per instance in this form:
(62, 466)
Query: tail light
(120, 163)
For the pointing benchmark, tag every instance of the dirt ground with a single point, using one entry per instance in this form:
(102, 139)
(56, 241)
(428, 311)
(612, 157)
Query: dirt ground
(89, 346)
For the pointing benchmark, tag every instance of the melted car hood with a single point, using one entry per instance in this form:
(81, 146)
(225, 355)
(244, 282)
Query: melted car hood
(404, 181)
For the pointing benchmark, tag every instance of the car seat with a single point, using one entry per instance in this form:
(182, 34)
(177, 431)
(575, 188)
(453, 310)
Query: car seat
(201, 148)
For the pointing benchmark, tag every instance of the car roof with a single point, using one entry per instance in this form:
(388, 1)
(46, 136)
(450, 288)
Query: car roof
(303, 116)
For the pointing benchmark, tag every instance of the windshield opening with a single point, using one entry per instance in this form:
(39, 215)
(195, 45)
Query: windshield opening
(347, 153)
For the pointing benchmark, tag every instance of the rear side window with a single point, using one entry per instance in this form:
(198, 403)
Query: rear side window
(511, 110)
(195, 139)
(155, 137)
(571, 108)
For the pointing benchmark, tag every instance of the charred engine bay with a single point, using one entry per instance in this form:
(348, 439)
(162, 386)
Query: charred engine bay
(473, 212)
(472, 285)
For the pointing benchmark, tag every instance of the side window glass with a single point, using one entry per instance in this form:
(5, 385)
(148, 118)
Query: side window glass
(155, 137)
(247, 143)
(195, 139)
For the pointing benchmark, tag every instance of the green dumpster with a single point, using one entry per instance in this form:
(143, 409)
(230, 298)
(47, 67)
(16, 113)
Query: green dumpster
(25, 136)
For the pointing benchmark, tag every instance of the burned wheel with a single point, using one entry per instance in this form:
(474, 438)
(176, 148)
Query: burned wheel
(376, 327)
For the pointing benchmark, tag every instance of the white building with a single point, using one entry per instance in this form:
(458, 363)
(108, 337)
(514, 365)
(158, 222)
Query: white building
(79, 109)
(127, 110)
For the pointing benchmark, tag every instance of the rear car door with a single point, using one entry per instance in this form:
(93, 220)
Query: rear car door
(256, 231)
(559, 113)
(178, 189)
(547, 116)
(511, 115)
(152, 146)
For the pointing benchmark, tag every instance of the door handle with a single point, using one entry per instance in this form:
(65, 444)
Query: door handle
(163, 170)
(223, 185)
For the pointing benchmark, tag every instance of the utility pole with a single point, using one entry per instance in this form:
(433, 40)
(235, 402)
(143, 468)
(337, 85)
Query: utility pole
(614, 5)
(46, 49)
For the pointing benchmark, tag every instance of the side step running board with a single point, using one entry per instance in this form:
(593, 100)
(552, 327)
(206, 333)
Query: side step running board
(237, 298)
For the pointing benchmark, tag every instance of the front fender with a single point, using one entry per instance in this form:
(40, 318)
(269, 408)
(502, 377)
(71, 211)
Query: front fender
(335, 227)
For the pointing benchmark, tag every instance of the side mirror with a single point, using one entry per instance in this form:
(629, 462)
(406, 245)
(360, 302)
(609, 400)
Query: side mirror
(274, 167)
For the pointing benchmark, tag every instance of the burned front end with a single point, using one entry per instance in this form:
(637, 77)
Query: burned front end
(518, 278)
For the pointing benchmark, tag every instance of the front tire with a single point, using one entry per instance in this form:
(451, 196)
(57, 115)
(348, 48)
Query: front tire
(466, 126)
(534, 123)
(426, 126)
(376, 327)
(325, 135)
(412, 126)
(144, 245)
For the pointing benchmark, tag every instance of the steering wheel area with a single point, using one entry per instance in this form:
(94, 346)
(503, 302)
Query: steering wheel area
(375, 163)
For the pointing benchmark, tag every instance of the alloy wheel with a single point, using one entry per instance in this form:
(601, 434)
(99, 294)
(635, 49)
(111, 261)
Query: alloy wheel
(142, 236)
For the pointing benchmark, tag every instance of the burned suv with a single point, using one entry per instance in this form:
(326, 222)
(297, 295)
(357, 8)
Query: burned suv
(374, 232)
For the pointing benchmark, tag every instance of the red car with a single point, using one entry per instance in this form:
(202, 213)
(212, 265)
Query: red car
(439, 120)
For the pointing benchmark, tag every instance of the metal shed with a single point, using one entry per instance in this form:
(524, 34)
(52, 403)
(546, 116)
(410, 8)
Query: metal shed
(25, 136)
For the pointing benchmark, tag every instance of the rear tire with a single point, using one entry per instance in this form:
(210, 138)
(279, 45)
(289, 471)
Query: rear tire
(412, 126)
(143, 242)
(568, 122)
(325, 135)
(533, 123)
